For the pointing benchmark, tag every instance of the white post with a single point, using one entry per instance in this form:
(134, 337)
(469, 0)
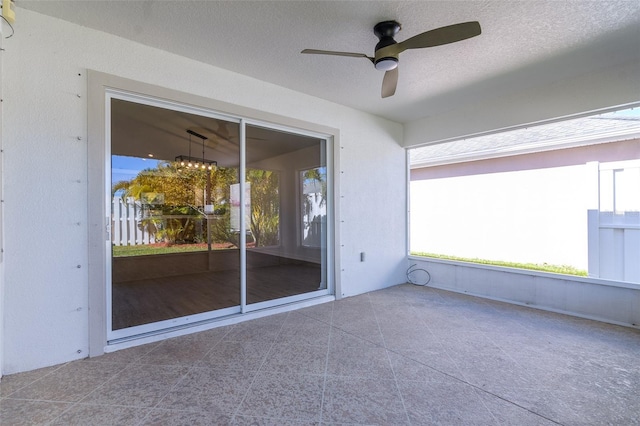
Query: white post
(116, 219)
(134, 225)
(593, 243)
(131, 216)
(146, 235)
(592, 180)
(631, 250)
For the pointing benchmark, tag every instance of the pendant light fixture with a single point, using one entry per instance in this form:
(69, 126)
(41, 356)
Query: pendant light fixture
(195, 163)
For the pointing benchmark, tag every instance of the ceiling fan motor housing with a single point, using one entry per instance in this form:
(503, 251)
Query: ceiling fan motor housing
(388, 50)
(385, 31)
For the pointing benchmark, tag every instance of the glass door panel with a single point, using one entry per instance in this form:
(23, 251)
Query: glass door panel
(285, 209)
(175, 254)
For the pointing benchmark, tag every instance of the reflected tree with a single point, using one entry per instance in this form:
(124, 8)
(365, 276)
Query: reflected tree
(265, 206)
(172, 198)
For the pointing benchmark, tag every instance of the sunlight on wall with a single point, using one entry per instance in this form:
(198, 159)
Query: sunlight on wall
(535, 216)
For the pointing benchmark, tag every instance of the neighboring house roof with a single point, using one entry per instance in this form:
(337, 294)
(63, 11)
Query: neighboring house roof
(601, 128)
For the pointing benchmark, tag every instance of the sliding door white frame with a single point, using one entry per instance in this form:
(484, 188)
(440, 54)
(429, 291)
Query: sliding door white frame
(115, 336)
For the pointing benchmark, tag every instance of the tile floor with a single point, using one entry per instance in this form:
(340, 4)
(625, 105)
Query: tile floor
(404, 355)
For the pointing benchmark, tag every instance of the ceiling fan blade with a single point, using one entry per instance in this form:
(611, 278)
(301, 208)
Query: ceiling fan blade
(331, 52)
(389, 83)
(440, 36)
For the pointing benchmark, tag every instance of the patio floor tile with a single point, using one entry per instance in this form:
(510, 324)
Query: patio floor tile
(402, 355)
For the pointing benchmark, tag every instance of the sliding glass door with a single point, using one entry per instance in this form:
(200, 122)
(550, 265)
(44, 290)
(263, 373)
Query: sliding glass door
(209, 216)
(287, 204)
(173, 255)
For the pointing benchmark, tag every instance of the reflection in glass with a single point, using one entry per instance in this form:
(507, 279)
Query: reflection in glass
(176, 230)
(171, 231)
(174, 251)
(286, 204)
(263, 207)
(314, 206)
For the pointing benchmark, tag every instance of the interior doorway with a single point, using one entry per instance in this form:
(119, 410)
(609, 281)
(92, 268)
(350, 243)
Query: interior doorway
(209, 215)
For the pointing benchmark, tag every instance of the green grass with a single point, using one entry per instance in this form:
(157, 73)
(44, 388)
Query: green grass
(141, 250)
(557, 269)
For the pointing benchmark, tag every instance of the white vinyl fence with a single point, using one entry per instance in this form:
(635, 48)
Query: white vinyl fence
(614, 229)
(126, 226)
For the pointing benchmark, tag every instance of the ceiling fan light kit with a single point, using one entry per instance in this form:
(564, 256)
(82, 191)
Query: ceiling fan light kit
(387, 50)
(385, 31)
(386, 64)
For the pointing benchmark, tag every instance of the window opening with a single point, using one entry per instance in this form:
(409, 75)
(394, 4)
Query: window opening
(525, 198)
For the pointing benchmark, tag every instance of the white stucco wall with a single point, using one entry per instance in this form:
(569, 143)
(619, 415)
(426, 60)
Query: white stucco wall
(1, 222)
(45, 177)
(593, 298)
(528, 216)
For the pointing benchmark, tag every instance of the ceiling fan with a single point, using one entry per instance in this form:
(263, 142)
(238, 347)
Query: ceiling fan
(388, 50)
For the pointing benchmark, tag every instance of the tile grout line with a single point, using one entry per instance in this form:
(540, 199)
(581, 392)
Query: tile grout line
(393, 371)
(474, 390)
(74, 404)
(326, 362)
(255, 377)
(464, 381)
(475, 387)
(189, 370)
(39, 378)
(333, 328)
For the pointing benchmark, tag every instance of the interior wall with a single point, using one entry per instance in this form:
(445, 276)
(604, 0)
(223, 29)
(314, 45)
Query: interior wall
(604, 88)
(44, 83)
(289, 165)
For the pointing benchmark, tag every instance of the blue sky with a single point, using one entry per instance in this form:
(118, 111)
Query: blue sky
(126, 168)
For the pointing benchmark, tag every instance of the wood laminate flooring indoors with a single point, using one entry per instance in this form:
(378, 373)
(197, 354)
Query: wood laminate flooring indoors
(151, 300)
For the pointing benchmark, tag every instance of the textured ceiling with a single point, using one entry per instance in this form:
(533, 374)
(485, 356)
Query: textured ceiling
(523, 43)
(138, 130)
